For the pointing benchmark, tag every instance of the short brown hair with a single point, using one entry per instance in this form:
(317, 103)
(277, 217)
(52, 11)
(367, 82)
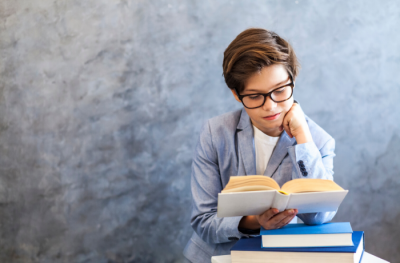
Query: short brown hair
(252, 50)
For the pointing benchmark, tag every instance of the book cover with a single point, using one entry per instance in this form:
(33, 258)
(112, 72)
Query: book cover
(257, 202)
(301, 235)
(303, 229)
(254, 244)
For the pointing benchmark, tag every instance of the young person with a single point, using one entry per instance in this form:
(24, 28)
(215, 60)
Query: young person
(269, 136)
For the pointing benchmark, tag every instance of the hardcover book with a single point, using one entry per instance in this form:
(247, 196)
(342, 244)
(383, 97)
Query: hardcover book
(366, 258)
(253, 195)
(249, 250)
(301, 235)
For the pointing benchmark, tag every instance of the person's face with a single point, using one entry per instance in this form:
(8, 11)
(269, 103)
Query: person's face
(266, 80)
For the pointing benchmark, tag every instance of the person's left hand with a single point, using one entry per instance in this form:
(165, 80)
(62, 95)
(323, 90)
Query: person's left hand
(295, 125)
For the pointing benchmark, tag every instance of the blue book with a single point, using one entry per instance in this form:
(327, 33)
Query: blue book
(301, 235)
(249, 250)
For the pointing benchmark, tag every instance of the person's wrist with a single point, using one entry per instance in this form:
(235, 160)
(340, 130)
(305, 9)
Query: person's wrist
(303, 136)
(249, 222)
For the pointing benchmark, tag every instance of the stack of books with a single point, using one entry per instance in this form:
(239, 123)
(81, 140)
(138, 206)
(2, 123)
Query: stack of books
(330, 242)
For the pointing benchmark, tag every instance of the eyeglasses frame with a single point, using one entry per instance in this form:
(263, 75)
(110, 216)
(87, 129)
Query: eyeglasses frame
(267, 94)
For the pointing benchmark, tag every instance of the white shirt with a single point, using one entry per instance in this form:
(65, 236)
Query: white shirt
(264, 146)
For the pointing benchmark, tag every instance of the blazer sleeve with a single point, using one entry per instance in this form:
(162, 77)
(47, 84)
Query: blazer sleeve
(311, 162)
(205, 185)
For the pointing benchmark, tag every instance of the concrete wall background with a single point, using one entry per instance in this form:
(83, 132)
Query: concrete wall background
(101, 104)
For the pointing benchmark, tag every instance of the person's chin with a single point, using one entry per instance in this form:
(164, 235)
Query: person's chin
(278, 122)
(271, 126)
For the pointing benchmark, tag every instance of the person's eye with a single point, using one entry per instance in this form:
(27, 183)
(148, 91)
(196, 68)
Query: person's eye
(255, 97)
(278, 91)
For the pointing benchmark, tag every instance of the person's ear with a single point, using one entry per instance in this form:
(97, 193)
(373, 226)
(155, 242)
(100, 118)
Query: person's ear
(235, 95)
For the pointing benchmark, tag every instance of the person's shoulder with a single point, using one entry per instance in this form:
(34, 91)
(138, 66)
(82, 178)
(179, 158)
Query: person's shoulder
(319, 135)
(228, 120)
(222, 126)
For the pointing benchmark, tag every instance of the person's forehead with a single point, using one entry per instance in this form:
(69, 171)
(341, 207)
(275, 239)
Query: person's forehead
(267, 78)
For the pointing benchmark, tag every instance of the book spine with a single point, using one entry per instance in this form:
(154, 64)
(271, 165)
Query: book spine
(280, 201)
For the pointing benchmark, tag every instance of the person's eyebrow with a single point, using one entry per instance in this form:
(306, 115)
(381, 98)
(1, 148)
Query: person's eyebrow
(273, 87)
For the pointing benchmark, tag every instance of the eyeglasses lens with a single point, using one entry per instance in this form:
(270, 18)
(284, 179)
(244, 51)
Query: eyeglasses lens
(257, 100)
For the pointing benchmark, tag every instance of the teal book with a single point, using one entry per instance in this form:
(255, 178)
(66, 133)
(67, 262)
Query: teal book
(249, 250)
(301, 235)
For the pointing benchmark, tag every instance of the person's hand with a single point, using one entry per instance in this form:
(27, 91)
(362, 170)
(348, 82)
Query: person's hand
(272, 219)
(295, 125)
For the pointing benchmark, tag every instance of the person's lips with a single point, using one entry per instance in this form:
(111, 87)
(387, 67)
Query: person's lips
(272, 117)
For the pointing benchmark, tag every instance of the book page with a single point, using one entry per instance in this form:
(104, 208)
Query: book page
(303, 185)
(250, 180)
(248, 188)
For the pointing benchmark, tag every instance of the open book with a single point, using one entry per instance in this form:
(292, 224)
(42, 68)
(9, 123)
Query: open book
(253, 195)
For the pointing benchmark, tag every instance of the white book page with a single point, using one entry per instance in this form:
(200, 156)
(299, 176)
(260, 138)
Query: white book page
(244, 203)
(308, 240)
(367, 258)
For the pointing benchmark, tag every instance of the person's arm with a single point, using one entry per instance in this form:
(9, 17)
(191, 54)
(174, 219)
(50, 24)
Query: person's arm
(309, 161)
(205, 185)
(318, 163)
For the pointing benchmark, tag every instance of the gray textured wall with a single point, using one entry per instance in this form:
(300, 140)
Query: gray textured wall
(101, 104)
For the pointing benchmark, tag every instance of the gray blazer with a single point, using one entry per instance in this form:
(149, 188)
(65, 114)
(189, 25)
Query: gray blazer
(226, 148)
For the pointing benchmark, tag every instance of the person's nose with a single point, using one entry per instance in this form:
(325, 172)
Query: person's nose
(269, 104)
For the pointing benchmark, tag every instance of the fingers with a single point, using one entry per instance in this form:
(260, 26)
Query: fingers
(267, 215)
(286, 221)
(287, 119)
(278, 220)
(294, 121)
(286, 125)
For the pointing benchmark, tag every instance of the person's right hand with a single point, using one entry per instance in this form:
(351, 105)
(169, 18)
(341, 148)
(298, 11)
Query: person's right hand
(272, 219)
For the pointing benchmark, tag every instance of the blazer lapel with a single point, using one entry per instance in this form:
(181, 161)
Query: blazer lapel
(245, 137)
(279, 153)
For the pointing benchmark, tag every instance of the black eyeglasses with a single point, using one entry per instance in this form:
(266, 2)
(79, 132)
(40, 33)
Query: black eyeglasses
(281, 94)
